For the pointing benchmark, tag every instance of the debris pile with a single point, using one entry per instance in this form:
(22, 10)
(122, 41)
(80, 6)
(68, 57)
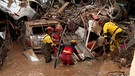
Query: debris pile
(85, 16)
(78, 16)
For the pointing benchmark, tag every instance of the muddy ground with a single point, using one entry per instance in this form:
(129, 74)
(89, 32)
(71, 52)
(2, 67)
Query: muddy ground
(16, 64)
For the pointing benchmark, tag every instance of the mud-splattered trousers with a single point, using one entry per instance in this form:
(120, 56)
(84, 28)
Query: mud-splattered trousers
(46, 50)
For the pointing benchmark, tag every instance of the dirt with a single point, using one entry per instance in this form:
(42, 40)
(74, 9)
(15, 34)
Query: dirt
(16, 64)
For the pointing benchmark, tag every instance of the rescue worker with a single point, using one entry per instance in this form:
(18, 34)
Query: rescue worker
(57, 37)
(48, 44)
(112, 33)
(68, 50)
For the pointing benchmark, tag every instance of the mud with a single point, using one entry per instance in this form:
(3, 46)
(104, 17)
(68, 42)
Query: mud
(16, 64)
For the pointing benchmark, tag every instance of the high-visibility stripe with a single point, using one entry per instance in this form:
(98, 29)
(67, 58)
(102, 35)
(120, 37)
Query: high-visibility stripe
(66, 51)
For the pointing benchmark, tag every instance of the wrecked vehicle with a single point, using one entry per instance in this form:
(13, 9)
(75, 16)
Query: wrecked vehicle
(3, 50)
(20, 9)
(3, 31)
(35, 31)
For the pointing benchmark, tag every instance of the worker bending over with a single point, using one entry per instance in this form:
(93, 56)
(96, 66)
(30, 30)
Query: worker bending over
(68, 50)
(112, 34)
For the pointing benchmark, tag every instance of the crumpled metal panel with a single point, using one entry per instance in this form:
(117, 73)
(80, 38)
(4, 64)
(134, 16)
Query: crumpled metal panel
(17, 9)
(80, 44)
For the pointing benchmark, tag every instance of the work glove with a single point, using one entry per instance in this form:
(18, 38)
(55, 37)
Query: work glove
(53, 45)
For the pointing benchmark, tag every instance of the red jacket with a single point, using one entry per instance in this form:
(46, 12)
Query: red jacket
(56, 37)
(69, 49)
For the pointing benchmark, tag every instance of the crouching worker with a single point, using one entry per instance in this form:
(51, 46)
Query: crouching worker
(47, 45)
(113, 34)
(68, 50)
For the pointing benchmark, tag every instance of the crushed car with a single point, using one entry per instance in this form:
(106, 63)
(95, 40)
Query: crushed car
(3, 50)
(35, 31)
(19, 9)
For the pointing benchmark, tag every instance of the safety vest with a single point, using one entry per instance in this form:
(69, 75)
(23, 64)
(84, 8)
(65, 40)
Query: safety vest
(47, 39)
(112, 29)
(68, 50)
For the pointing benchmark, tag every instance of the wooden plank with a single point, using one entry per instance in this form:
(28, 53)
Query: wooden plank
(63, 7)
(41, 22)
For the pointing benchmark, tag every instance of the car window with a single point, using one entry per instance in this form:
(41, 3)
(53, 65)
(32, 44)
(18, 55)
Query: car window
(40, 29)
(37, 30)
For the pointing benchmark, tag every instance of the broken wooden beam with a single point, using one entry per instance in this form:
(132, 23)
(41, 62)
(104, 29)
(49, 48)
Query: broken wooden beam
(63, 7)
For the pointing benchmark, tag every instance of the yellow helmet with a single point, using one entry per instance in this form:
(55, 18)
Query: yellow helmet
(73, 42)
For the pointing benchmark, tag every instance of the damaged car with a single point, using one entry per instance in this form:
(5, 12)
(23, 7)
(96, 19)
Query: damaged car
(3, 50)
(19, 11)
(21, 8)
(35, 31)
